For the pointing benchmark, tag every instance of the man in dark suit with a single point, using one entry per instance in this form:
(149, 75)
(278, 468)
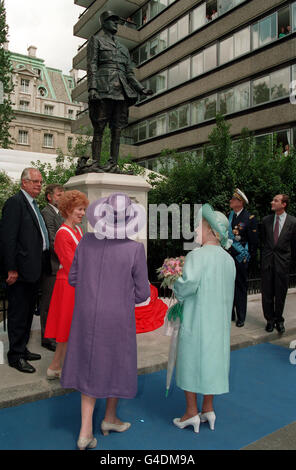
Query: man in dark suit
(25, 244)
(279, 248)
(244, 234)
(53, 221)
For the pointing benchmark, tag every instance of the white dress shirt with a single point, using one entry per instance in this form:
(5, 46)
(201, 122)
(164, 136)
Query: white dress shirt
(282, 219)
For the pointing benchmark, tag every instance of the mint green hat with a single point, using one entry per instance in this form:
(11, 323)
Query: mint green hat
(218, 222)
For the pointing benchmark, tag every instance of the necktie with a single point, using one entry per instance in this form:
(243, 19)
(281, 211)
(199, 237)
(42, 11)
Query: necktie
(276, 231)
(42, 224)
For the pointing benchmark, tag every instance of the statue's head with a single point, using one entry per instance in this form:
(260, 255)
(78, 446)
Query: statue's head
(110, 21)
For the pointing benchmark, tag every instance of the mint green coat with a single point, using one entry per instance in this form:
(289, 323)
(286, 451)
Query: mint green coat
(206, 290)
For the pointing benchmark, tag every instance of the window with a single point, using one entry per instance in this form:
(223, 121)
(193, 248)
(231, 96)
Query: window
(48, 109)
(226, 50)
(284, 22)
(203, 109)
(157, 126)
(48, 140)
(179, 30)
(197, 64)
(143, 131)
(210, 57)
(279, 83)
(42, 91)
(294, 17)
(23, 137)
(24, 105)
(198, 17)
(242, 42)
(158, 43)
(260, 90)
(179, 73)
(264, 31)
(235, 99)
(211, 10)
(134, 133)
(156, 6)
(178, 118)
(242, 96)
(158, 82)
(70, 113)
(144, 52)
(25, 84)
(70, 143)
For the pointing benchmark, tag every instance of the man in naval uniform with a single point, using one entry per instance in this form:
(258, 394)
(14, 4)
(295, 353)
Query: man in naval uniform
(244, 234)
(112, 88)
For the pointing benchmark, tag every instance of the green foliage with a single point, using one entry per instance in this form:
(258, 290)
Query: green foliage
(261, 171)
(6, 113)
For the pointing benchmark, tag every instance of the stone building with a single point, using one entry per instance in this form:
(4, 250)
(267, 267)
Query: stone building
(200, 57)
(43, 106)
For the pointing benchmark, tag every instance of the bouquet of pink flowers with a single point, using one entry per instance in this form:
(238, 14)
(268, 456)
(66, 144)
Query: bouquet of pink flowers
(171, 270)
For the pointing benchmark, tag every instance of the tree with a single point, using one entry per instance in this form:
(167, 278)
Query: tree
(6, 113)
(261, 171)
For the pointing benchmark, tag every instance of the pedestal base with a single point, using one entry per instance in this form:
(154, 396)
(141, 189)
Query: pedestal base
(97, 185)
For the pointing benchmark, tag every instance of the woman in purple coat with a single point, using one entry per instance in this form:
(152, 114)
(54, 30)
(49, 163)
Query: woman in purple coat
(109, 273)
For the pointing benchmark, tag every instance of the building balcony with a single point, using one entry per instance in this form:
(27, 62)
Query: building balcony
(83, 3)
(89, 22)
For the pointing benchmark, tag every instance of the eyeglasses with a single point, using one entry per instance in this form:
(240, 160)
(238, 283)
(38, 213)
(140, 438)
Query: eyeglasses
(35, 181)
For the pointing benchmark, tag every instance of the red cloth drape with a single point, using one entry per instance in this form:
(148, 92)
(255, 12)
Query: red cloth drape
(151, 316)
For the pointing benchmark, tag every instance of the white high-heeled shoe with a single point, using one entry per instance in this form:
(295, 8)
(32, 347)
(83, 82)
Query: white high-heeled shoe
(210, 417)
(106, 427)
(84, 443)
(194, 421)
(53, 374)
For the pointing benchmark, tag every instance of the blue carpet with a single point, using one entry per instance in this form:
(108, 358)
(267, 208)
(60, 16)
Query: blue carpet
(261, 400)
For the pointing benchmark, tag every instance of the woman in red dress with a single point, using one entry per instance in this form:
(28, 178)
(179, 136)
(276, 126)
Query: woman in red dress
(72, 206)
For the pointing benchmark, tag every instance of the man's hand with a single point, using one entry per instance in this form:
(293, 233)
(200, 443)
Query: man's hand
(12, 277)
(93, 95)
(147, 91)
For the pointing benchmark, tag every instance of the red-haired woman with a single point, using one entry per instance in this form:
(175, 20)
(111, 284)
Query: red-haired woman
(72, 206)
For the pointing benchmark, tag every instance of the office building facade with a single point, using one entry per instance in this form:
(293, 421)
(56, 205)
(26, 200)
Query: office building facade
(200, 58)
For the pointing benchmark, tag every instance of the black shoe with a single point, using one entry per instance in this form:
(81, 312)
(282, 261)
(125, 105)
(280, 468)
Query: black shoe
(49, 346)
(22, 365)
(280, 327)
(269, 327)
(239, 323)
(29, 356)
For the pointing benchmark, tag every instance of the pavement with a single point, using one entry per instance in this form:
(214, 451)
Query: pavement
(17, 388)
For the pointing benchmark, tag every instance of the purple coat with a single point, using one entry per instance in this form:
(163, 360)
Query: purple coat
(110, 277)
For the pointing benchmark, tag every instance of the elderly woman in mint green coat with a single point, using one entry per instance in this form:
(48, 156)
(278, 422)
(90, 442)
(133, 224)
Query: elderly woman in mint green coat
(206, 290)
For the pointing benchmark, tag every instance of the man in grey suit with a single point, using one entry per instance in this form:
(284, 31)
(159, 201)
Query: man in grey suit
(279, 249)
(53, 221)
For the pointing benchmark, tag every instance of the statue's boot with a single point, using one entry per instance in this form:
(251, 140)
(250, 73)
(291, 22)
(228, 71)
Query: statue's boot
(112, 166)
(96, 148)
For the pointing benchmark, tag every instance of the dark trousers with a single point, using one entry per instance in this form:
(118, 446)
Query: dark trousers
(47, 285)
(241, 291)
(21, 303)
(274, 287)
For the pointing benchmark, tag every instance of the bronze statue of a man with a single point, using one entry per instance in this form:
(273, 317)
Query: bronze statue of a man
(112, 88)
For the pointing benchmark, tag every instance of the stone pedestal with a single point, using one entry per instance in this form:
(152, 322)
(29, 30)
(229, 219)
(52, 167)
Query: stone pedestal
(97, 185)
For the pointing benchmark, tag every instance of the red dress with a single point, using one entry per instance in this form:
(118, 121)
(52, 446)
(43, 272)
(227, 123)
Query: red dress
(151, 316)
(62, 301)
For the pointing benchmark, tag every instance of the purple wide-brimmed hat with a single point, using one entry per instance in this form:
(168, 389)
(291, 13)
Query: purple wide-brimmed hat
(116, 216)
